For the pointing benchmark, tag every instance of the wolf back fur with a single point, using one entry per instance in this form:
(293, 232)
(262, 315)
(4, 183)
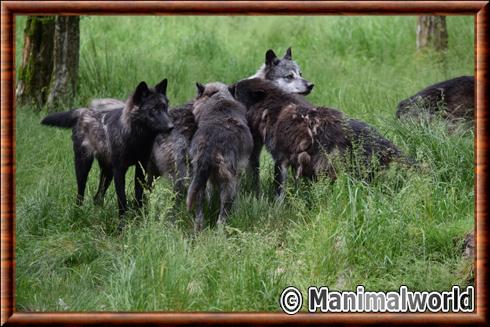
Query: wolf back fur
(453, 99)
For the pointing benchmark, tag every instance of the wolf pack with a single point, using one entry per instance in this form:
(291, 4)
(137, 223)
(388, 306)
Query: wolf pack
(204, 146)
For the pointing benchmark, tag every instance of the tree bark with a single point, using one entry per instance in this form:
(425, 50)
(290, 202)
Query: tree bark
(64, 76)
(49, 73)
(37, 64)
(432, 33)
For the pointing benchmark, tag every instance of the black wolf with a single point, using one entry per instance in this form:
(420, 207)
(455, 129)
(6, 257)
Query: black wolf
(220, 148)
(170, 151)
(305, 137)
(117, 138)
(453, 99)
(169, 155)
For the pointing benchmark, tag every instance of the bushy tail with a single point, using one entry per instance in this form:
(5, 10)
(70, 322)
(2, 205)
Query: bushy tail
(201, 175)
(66, 119)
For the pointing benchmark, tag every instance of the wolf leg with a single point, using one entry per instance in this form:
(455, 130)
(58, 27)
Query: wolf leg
(280, 177)
(254, 168)
(120, 185)
(181, 176)
(139, 182)
(83, 163)
(105, 180)
(227, 196)
(199, 220)
(150, 180)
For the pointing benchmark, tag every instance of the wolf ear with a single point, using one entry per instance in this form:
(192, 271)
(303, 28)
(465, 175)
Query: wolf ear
(161, 87)
(271, 58)
(288, 55)
(140, 92)
(200, 89)
(232, 89)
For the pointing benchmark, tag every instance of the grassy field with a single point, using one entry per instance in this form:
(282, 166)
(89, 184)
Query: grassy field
(404, 228)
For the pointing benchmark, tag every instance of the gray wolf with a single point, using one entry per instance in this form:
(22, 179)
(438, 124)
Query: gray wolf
(118, 138)
(169, 156)
(453, 99)
(305, 137)
(219, 150)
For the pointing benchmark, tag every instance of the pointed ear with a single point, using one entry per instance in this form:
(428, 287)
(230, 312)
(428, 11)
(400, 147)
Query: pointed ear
(288, 55)
(140, 92)
(232, 89)
(271, 58)
(200, 89)
(162, 87)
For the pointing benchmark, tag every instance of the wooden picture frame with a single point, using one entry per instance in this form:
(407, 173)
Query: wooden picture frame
(9, 9)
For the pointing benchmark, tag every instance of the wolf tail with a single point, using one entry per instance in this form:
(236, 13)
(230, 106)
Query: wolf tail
(66, 119)
(198, 185)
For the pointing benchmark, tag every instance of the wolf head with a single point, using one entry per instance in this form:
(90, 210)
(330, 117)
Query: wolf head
(148, 107)
(215, 89)
(252, 91)
(249, 92)
(417, 108)
(285, 73)
(210, 94)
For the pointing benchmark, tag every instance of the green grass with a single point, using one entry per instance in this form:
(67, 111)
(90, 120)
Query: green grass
(404, 228)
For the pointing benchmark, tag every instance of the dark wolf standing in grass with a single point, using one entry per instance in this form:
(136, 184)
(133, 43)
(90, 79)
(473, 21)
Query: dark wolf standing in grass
(308, 138)
(169, 155)
(117, 138)
(453, 99)
(220, 149)
(170, 151)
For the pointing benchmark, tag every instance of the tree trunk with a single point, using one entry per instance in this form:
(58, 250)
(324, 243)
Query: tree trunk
(49, 72)
(63, 84)
(37, 64)
(432, 33)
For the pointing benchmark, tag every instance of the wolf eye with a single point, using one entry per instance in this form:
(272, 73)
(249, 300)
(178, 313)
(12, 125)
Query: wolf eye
(290, 76)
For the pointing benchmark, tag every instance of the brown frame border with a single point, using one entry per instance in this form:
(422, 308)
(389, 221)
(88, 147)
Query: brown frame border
(9, 9)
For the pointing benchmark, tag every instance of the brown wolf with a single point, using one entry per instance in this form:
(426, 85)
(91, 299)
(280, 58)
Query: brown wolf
(305, 137)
